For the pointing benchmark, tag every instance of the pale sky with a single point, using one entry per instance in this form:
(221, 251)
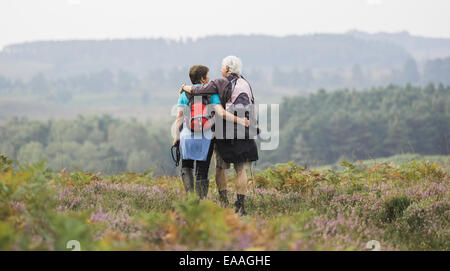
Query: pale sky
(30, 20)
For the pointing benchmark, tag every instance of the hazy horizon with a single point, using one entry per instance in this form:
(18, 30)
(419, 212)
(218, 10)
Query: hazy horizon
(28, 21)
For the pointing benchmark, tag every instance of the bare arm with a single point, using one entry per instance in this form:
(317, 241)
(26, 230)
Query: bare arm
(178, 123)
(230, 117)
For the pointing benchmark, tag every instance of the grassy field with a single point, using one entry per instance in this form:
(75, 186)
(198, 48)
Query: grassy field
(404, 206)
(441, 160)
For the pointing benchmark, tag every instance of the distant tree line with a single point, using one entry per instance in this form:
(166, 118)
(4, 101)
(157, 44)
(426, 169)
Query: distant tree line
(158, 86)
(323, 128)
(63, 58)
(318, 129)
(434, 71)
(89, 143)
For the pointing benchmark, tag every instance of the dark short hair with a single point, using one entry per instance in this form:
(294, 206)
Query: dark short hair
(197, 72)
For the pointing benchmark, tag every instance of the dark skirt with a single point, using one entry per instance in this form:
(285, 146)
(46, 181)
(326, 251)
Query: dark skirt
(237, 150)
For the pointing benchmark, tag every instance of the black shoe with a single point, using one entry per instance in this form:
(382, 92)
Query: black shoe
(187, 175)
(239, 204)
(201, 187)
(223, 197)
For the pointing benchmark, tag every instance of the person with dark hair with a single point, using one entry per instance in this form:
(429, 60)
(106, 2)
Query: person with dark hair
(197, 147)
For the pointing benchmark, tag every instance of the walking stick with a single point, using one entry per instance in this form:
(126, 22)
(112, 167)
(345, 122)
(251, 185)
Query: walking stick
(253, 178)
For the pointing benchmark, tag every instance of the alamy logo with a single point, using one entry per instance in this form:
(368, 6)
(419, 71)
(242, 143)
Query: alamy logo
(262, 126)
(373, 245)
(74, 245)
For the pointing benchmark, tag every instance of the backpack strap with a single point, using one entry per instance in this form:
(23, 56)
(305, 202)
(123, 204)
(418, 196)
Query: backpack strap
(206, 99)
(233, 84)
(251, 91)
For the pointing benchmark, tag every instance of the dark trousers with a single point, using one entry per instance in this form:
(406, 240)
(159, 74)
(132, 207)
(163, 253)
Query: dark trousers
(201, 167)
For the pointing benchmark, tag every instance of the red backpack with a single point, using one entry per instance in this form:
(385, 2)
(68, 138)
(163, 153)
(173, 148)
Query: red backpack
(200, 117)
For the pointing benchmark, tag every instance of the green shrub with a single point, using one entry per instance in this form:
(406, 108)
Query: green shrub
(419, 170)
(394, 207)
(204, 222)
(5, 163)
(288, 178)
(424, 226)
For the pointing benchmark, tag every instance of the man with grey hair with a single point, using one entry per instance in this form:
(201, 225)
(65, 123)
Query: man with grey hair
(233, 91)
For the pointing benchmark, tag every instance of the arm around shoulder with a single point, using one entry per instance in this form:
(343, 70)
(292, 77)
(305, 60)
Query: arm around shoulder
(208, 89)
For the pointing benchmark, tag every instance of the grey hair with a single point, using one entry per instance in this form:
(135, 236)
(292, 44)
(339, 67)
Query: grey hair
(234, 63)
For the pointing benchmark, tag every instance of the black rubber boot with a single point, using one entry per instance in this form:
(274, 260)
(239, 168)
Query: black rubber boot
(239, 204)
(187, 175)
(223, 197)
(201, 187)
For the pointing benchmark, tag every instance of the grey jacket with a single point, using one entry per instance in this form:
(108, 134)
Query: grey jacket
(221, 86)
